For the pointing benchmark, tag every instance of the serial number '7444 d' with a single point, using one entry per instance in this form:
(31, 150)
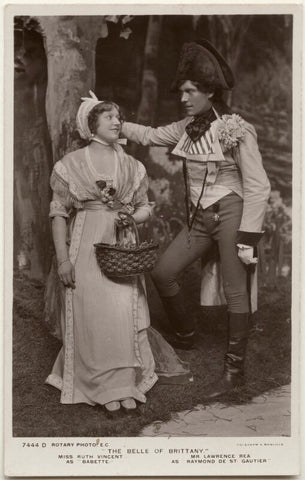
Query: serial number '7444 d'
(33, 444)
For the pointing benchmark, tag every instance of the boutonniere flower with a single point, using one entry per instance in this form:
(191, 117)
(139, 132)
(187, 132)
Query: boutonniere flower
(230, 131)
(107, 191)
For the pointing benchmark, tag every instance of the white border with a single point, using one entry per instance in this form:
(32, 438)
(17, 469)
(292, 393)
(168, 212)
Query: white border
(97, 8)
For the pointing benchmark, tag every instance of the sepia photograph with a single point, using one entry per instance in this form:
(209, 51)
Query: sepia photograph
(153, 185)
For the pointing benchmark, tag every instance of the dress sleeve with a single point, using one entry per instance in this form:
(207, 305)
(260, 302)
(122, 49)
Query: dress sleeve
(60, 205)
(143, 208)
(256, 189)
(161, 136)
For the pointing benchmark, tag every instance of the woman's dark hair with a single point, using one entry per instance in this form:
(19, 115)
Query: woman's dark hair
(97, 111)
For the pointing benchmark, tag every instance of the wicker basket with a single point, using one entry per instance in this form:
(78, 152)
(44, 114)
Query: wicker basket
(121, 261)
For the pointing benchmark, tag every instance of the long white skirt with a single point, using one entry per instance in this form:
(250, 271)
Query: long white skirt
(106, 355)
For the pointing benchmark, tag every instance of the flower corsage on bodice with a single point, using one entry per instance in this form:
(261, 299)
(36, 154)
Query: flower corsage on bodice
(230, 131)
(108, 196)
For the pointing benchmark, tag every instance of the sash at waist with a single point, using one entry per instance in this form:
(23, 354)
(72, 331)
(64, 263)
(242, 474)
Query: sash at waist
(99, 205)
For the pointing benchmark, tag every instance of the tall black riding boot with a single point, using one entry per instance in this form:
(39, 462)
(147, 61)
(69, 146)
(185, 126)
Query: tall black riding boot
(182, 324)
(233, 375)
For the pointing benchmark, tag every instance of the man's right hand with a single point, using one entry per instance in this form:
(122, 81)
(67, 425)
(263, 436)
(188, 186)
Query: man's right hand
(66, 272)
(246, 255)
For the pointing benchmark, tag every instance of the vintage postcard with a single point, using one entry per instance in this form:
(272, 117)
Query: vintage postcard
(152, 239)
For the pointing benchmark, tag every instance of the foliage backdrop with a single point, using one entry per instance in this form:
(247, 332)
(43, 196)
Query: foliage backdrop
(132, 60)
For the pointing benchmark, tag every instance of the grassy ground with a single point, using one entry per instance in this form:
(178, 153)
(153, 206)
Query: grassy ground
(36, 407)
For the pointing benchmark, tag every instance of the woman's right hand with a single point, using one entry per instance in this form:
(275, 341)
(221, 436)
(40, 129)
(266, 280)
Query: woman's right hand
(66, 274)
(122, 220)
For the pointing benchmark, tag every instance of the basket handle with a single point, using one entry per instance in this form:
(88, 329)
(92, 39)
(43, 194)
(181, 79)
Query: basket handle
(134, 225)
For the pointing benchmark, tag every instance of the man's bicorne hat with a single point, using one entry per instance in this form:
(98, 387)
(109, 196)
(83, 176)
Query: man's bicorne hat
(201, 62)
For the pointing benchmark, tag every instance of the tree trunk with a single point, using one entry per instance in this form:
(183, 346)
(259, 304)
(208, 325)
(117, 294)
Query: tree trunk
(149, 85)
(66, 69)
(227, 33)
(148, 104)
(32, 154)
(70, 44)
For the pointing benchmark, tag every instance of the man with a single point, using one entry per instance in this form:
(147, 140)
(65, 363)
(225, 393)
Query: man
(227, 191)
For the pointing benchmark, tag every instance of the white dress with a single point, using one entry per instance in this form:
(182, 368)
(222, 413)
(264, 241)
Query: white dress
(106, 354)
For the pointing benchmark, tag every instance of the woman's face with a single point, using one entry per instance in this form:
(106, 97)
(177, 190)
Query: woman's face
(109, 126)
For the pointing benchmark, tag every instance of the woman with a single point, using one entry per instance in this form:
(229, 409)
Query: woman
(227, 191)
(106, 357)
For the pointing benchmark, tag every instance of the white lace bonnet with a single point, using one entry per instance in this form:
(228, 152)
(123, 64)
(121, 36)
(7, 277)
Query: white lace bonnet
(82, 115)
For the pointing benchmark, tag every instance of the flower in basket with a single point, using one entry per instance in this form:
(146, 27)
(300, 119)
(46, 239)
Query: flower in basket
(230, 131)
(107, 191)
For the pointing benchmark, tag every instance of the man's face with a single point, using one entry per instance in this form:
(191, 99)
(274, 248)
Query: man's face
(193, 100)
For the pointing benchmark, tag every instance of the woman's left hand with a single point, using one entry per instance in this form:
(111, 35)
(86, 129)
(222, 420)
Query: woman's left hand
(246, 255)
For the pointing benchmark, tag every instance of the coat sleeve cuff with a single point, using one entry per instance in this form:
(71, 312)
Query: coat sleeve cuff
(249, 238)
